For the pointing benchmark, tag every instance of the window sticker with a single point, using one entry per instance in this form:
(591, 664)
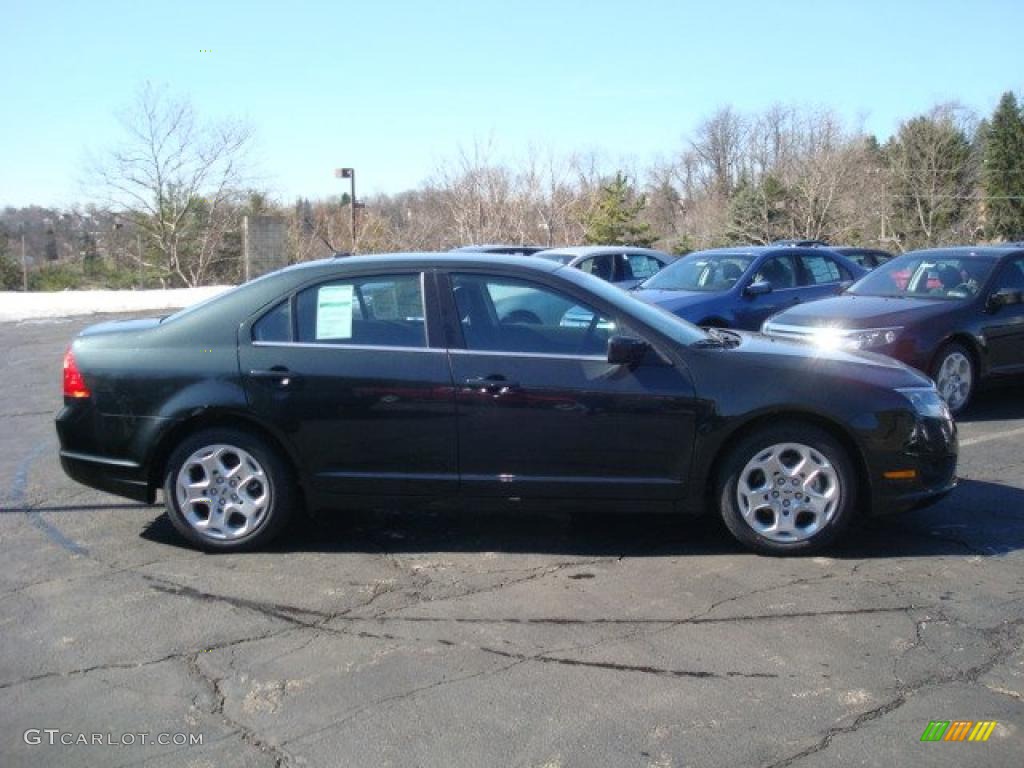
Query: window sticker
(334, 312)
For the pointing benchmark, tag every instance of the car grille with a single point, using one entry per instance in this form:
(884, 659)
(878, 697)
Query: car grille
(797, 332)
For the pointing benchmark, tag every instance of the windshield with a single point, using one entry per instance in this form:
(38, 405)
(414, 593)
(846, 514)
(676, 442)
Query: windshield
(660, 319)
(709, 272)
(930, 277)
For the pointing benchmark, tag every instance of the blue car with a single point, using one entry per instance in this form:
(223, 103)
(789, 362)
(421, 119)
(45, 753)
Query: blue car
(741, 287)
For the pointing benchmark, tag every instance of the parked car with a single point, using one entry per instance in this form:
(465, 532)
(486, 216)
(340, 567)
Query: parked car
(625, 266)
(505, 250)
(954, 313)
(869, 258)
(394, 379)
(741, 287)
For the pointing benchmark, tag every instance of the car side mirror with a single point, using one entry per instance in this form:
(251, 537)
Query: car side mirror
(844, 285)
(626, 350)
(1003, 298)
(758, 288)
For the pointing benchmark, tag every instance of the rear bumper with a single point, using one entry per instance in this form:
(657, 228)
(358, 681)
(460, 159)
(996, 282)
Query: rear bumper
(123, 478)
(94, 452)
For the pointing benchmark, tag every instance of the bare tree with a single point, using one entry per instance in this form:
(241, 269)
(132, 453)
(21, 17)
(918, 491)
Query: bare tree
(177, 178)
(718, 145)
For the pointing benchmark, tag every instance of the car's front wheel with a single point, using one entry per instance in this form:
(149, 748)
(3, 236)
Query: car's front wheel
(787, 490)
(954, 376)
(227, 490)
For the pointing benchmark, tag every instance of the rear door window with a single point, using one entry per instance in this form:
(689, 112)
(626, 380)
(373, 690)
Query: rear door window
(820, 270)
(382, 311)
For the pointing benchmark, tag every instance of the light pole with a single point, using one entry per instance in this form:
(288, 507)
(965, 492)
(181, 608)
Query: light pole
(350, 174)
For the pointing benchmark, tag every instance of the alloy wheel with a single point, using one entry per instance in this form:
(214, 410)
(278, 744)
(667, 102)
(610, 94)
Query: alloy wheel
(788, 492)
(223, 492)
(954, 379)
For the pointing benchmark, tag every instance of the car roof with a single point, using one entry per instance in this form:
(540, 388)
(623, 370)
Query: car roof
(423, 260)
(496, 248)
(971, 251)
(760, 250)
(597, 250)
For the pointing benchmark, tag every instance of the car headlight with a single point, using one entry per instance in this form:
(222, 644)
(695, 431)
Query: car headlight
(927, 402)
(867, 338)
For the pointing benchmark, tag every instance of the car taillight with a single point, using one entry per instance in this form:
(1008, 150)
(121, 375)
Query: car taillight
(74, 384)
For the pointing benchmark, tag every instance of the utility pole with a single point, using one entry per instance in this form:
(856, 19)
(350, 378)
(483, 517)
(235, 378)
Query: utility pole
(24, 262)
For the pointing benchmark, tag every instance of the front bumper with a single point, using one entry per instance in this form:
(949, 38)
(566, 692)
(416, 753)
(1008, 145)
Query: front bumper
(919, 474)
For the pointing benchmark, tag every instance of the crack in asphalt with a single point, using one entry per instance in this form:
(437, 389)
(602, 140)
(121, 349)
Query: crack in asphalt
(400, 697)
(248, 735)
(1002, 637)
(113, 666)
(291, 614)
(286, 613)
(617, 667)
(19, 414)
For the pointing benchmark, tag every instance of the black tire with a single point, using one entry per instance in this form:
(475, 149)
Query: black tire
(947, 351)
(280, 487)
(833, 523)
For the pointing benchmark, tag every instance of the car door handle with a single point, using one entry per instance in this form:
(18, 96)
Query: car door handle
(278, 374)
(493, 385)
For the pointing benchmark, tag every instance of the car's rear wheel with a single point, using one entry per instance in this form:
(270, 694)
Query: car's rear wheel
(787, 490)
(227, 490)
(955, 376)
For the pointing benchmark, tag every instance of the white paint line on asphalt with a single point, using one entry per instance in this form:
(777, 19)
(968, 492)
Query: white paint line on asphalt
(995, 436)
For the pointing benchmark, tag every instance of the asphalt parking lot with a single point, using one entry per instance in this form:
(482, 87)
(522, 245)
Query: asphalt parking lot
(421, 639)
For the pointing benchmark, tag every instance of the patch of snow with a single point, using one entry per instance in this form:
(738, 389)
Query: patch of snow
(46, 305)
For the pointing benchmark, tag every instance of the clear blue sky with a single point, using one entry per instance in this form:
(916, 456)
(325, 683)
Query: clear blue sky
(393, 88)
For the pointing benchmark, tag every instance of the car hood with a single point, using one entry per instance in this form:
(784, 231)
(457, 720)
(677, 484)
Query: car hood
(674, 301)
(770, 355)
(121, 326)
(851, 311)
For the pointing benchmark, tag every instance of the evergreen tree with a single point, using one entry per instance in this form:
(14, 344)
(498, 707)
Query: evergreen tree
(10, 272)
(929, 161)
(1003, 171)
(757, 212)
(615, 220)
